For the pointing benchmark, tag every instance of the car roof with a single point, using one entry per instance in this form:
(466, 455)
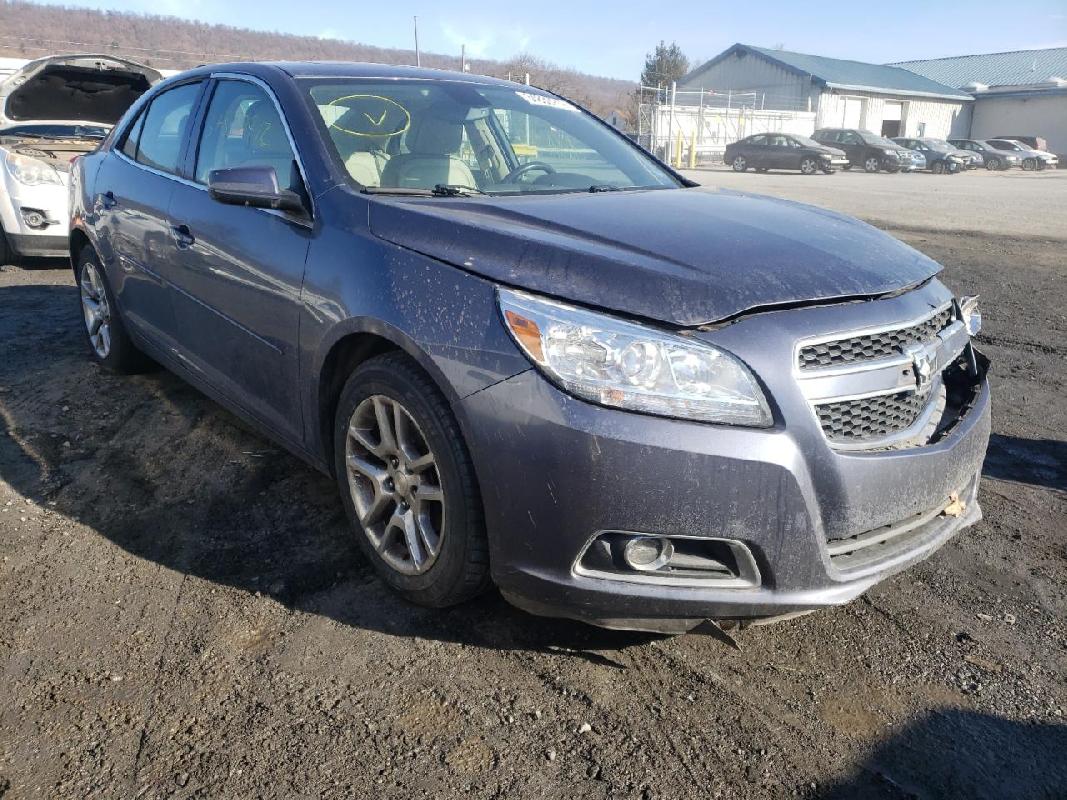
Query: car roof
(343, 69)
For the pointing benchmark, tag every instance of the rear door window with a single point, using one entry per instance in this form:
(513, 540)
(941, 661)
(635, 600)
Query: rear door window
(165, 127)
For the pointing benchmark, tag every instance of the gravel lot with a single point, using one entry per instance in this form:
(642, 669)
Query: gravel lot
(184, 615)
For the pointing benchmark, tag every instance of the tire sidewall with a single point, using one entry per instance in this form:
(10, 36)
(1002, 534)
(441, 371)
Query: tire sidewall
(123, 356)
(375, 378)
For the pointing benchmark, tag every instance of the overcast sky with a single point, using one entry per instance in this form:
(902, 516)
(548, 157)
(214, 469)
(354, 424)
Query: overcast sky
(611, 38)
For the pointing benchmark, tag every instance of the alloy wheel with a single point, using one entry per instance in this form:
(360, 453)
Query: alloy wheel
(992, 164)
(871, 165)
(808, 166)
(739, 164)
(395, 485)
(96, 310)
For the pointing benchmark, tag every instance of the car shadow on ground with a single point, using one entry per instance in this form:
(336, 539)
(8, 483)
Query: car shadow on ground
(1038, 462)
(171, 477)
(954, 753)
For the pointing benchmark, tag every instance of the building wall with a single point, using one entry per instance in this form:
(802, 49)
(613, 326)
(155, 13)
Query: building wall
(783, 90)
(926, 116)
(1038, 115)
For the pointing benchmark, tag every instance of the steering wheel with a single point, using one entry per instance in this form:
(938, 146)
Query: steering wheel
(530, 166)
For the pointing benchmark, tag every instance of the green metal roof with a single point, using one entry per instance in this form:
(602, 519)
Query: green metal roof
(837, 73)
(1017, 68)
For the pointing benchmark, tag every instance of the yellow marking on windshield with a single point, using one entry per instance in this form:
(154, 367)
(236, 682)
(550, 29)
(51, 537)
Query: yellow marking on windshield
(389, 102)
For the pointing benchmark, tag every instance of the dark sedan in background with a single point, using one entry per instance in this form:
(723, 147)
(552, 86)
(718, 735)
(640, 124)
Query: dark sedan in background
(866, 150)
(528, 352)
(941, 157)
(765, 151)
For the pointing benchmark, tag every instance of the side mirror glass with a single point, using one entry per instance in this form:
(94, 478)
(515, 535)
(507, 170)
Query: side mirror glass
(254, 186)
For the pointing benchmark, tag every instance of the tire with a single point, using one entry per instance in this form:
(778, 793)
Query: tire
(739, 164)
(847, 167)
(809, 166)
(5, 251)
(119, 354)
(1029, 164)
(892, 170)
(872, 164)
(760, 170)
(938, 168)
(828, 170)
(992, 164)
(459, 569)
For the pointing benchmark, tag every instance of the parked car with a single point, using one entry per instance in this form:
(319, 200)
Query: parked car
(940, 156)
(1033, 142)
(865, 149)
(51, 111)
(1030, 159)
(1046, 160)
(764, 151)
(619, 397)
(993, 158)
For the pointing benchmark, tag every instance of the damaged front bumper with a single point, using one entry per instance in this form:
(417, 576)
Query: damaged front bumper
(768, 522)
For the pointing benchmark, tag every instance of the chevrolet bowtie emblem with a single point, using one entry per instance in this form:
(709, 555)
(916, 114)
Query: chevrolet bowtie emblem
(923, 363)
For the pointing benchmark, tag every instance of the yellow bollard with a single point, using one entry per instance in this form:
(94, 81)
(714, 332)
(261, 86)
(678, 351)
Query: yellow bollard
(678, 151)
(693, 151)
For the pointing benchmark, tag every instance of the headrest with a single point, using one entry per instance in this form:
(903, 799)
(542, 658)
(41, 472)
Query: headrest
(263, 129)
(436, 137)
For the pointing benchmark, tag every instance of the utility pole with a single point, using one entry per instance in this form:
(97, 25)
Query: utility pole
(463, 58)
(418, 58)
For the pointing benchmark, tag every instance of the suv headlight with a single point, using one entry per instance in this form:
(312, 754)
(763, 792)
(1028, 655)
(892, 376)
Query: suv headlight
(616, 363)
(31, 171)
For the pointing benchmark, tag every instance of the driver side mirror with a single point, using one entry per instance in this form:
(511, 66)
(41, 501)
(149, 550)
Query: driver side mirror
(255, 186)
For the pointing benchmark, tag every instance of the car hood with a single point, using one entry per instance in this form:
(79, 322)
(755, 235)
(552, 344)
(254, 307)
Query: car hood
(85, 88)
(684, 257)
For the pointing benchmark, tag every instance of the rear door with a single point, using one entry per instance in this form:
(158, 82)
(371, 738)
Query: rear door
(132, 192)
(756, 151)
(240, 270)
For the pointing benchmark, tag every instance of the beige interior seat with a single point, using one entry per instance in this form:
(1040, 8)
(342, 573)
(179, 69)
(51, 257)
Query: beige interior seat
(432, 158)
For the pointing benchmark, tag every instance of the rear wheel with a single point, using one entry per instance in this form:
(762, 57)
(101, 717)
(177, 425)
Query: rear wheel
(809, 166)
(104, 329)
(740, 165)
(938, 167)
(872, 164)
(408, 484)
(992, 164)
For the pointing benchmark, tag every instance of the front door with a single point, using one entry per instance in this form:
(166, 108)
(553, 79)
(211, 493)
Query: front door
(240, 270)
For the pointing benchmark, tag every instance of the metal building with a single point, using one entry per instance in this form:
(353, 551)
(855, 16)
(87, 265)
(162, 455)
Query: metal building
(851, 94)
(1023, 92)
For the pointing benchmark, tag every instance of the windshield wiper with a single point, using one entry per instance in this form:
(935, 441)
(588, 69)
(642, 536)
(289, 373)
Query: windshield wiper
(603, 187)
(440, 190)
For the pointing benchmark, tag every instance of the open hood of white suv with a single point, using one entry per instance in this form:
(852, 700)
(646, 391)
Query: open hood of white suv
(83, 88)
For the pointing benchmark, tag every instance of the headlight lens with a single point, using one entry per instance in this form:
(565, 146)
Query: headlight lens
(31, 171)
(625, 365)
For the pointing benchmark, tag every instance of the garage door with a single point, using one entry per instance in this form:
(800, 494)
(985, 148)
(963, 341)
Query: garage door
(892, 114)
(853, 111)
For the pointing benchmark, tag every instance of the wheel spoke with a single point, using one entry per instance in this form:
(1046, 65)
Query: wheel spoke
(429, 494)
(385, 425)
(422, 463)
(377, 474)
(376, 509)
(411, 539)
(426, 534)
(105, 339)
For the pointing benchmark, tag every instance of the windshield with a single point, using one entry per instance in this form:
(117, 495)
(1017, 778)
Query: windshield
(1005, 144)
(56, 131)
(417, 136)
(871, 138)
(806, 142)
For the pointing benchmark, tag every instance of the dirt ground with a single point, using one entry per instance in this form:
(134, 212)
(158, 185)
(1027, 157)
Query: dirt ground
(185, 615)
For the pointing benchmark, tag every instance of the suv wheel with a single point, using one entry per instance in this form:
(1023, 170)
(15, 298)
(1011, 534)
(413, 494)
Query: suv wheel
(992, 164)
(408, 484)
(809, 166)
(740, 165)
(872, 164)
(104, 328)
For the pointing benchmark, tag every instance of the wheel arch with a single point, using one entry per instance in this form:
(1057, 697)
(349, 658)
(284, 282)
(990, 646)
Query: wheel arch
(79, 240)
(353, 342)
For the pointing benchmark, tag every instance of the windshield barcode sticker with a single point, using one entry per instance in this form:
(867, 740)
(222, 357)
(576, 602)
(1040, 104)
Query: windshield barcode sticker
(544, 100)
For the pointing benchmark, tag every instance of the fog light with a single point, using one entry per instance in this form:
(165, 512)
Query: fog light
(34, 218)
(648, 553)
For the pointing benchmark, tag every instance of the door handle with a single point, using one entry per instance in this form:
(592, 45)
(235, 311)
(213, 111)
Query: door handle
(183, 237)
(108, 201)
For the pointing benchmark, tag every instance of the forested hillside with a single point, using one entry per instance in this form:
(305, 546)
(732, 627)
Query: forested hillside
(28, 30)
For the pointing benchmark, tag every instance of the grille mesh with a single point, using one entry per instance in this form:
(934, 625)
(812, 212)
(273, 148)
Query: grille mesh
(872, 346)
(870, 417)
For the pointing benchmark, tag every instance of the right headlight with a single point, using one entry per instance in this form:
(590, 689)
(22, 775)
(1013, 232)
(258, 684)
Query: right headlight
(31, 171)
(622, 364)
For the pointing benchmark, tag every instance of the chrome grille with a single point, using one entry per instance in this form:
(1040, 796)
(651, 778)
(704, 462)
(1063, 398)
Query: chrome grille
(870, 417)
(869, 347)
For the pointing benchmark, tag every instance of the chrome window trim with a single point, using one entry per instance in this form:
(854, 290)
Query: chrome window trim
(288, 134)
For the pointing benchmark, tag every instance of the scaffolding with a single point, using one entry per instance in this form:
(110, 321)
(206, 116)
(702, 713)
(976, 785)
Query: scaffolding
(690, 129)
